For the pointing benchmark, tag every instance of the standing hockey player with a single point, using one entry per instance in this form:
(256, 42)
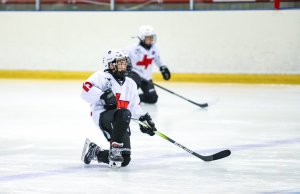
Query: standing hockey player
(114, 101)
(142, 56)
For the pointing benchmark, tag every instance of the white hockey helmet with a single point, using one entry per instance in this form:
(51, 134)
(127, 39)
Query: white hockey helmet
(112, 56)
(146, 30)
(120, 54)
(108, 58)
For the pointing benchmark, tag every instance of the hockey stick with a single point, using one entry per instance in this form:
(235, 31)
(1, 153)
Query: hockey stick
(204, 105)
(216, 156)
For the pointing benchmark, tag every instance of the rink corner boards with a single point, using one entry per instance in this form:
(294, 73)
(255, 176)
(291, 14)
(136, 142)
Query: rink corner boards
(176, 77)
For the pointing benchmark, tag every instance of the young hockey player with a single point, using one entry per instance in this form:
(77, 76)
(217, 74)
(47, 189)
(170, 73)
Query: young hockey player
(142, 55)
(114, 101)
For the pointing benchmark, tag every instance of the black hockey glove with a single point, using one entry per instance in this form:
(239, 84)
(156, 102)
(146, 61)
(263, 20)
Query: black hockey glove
(109, 99)
(165, 72)
(150, 125)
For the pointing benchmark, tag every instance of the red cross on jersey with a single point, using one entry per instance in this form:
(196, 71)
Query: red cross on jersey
(142, 60)
(121, 103)
(145, 62)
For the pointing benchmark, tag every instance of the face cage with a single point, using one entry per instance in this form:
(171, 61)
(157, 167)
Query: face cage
(154, 39)
(115, 63)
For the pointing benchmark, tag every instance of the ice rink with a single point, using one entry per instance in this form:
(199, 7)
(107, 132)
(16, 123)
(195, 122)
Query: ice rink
(43, 126)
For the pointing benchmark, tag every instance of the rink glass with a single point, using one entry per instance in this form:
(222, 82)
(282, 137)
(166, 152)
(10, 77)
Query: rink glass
(139, 5)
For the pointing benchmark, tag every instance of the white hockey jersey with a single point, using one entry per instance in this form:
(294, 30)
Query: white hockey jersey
(142, 60)
(126, 94)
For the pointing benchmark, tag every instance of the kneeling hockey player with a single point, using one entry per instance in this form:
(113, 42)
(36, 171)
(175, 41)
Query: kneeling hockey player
(114, 101)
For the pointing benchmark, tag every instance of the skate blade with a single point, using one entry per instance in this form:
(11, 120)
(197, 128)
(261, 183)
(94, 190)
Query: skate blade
(114, 165)
(85, 148)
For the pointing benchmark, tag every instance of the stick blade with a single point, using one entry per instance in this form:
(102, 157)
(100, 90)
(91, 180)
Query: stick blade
(203, 105)
(221, 154)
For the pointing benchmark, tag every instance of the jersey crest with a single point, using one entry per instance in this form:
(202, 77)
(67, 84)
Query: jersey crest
(121, 103)
(145, 62)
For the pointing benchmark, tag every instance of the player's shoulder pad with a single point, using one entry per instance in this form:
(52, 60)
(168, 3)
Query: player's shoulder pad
(131, 81)
(102, 74)
(99, 75)
(155, 47)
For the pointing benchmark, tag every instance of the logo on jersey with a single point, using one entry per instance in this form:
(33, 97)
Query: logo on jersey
(121, 103)
(145, 62)
(87, 86)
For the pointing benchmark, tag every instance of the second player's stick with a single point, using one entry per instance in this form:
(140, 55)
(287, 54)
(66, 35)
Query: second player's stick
(204, 105)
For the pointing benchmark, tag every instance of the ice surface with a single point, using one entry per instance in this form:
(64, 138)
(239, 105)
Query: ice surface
(43, 126)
